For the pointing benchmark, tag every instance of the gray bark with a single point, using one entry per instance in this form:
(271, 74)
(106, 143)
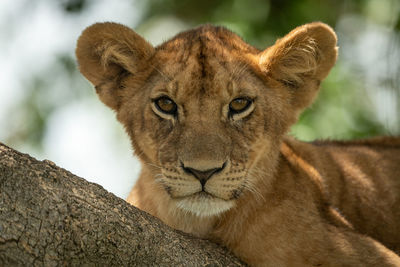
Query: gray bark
(48, 216)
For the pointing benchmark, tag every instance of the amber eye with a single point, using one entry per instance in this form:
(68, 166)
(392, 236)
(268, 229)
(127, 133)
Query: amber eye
(239, 104)
(166, 105)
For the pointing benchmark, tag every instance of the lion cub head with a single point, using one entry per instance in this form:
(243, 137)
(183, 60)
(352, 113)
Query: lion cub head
(202, 108)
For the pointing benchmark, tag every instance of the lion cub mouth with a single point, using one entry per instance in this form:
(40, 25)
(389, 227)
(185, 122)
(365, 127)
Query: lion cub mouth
(204, 204)
(201, 191)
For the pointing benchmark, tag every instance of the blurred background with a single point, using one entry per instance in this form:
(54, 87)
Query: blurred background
(47, 109)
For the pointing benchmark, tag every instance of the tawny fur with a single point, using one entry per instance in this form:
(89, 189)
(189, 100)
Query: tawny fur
(275, 201)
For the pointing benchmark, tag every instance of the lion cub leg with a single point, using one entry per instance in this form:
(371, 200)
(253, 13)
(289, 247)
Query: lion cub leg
(311, 242)
(349, 248)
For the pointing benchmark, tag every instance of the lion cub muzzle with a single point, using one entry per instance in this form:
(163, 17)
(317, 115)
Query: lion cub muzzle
(203, 175)
(204, 187)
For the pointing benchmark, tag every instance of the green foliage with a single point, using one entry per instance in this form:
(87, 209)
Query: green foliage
(335, 113)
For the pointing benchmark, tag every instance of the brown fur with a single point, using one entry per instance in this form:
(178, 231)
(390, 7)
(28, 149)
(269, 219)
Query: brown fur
(275, 201)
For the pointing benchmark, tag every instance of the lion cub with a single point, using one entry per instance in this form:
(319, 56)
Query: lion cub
(208, 114)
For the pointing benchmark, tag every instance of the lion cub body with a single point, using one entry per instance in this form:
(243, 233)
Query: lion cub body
(324, 200)
(207, 115)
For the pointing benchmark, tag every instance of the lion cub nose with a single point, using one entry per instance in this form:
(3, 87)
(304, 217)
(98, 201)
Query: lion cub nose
(203, 176)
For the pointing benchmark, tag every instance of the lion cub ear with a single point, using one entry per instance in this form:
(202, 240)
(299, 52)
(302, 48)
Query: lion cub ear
(301, 60)
(108, 51)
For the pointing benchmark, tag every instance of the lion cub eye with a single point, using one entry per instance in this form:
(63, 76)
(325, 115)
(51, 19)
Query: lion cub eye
(239, 105)
(166, 105)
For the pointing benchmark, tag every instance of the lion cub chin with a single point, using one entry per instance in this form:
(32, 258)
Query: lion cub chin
(204, 205)
(207, 112)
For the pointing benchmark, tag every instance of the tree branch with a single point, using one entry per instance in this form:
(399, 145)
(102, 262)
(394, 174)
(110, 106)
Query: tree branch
(48, 216)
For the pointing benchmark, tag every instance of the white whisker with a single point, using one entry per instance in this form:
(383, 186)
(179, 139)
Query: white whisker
(249, 184)
(162, 74)
(153, 165)
(159, 178)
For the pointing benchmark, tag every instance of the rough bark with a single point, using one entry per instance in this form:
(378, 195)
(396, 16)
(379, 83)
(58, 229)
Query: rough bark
(50, 217)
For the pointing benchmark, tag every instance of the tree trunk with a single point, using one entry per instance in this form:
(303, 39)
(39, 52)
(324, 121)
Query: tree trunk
(48, 216)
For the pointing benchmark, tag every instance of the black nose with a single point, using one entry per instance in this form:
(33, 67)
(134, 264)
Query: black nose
(203, 176)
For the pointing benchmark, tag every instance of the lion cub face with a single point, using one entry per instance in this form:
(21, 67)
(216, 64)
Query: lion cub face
(204, 122)
(202, 108)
